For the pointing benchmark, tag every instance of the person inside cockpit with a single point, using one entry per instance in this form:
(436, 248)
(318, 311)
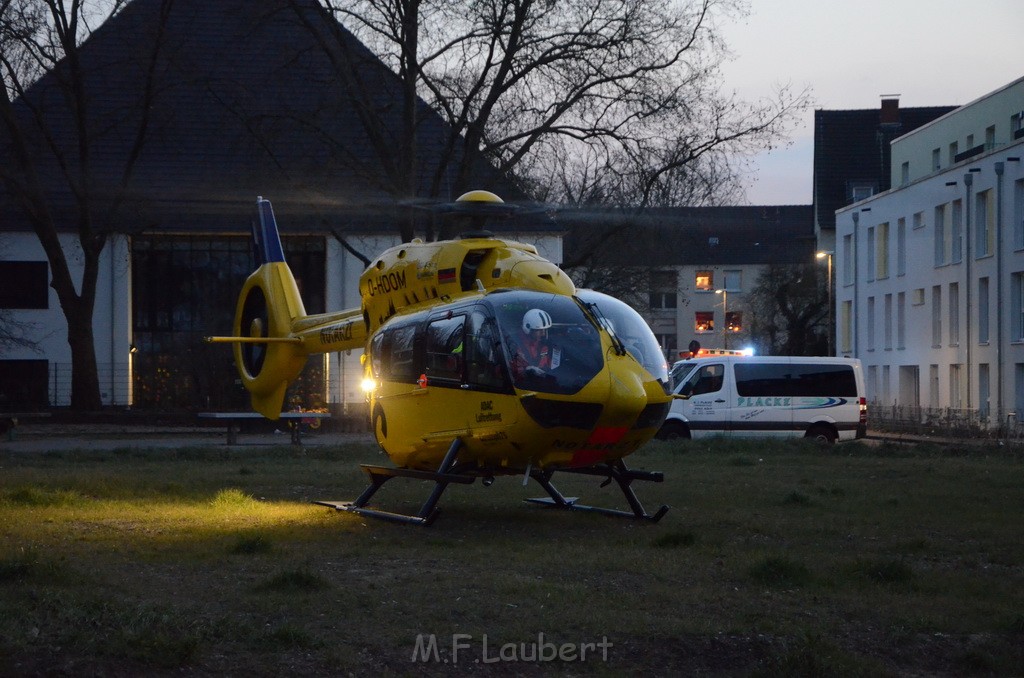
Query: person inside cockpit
(533, 353)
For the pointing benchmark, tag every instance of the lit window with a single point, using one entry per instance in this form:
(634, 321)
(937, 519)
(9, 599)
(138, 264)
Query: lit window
(734, 321)
(704, 321)
(704, 281)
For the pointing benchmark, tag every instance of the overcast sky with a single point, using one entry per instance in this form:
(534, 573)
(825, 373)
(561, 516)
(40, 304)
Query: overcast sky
(930, 52)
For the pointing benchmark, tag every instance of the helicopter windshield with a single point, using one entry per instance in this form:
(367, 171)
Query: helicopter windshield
(626, 324)
(551, 346)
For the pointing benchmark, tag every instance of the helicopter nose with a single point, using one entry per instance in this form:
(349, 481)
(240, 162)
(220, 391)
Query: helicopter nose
(626, 397)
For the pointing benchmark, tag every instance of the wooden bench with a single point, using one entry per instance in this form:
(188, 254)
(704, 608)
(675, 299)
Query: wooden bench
(9, 421)
(293, 419)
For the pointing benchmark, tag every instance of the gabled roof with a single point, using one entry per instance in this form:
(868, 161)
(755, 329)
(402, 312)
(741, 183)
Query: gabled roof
(851, 147)
(702, 236)
(247, 103)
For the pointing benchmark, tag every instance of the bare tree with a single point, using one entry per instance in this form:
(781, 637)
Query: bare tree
(789, 309)
(611, 102)
(51, 136)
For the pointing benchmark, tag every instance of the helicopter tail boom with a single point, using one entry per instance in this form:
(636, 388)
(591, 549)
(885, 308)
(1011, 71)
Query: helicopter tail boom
(272, 335)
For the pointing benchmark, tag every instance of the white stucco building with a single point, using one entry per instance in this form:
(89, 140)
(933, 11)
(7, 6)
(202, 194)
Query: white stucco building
(929, 275)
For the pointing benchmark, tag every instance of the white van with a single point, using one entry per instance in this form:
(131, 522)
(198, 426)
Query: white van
(767, 396)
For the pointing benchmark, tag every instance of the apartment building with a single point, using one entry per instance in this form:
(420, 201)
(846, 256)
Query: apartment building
(929, 275)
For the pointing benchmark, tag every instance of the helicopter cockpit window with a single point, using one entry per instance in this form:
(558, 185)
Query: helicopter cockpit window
(631, 329)
(446, 349)
(551, 346)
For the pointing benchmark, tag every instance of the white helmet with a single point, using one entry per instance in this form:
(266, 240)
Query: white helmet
(536, 319)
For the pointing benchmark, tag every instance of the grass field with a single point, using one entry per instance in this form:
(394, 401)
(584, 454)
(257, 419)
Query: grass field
(775, 559)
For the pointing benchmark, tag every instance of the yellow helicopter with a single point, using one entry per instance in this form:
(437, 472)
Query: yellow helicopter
(481, 358)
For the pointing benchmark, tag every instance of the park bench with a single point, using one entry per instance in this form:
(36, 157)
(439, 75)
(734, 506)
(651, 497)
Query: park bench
(293, 420)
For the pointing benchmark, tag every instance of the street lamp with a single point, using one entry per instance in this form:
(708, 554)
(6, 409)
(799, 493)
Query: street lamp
(827, 254)
(725, 317)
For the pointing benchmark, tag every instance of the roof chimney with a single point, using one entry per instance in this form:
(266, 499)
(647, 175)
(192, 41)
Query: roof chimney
(890, 114)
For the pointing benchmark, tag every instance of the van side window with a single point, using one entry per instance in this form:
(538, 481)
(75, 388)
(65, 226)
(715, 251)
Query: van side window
(824, 381)
(707, 379)
(762, 379)
(806, 380)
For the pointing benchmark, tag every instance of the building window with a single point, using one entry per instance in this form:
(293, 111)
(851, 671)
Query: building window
(901, 247)
(704, 321)
(983, 224)
(733, 281)
(955, 397)
(1018, 214)
(24, 385)
(918, 220)
(933, 386)
(25, 284)
(956, 240)
(860, 192)
(983, 310)
(1017, 306)
(848, 271)
(887, 322)
(901, 320)
(871, 324)
(936, 159)
(984, 390)
(905, 172)
(990, 137)
(185, 288)
(662, 300)
(871, 253)
(936, 316)
(734, 321)
(846, 327)
(704, 281)
(663, 289)
(954, 150)
(882, 253)
(940, 235)
(918, 296)
(954, 314)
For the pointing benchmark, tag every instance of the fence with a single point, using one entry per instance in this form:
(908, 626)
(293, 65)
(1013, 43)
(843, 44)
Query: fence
(946, 421)
(167, 384)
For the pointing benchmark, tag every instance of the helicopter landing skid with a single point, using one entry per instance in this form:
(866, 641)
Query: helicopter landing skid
(617, 472)
(381, 474)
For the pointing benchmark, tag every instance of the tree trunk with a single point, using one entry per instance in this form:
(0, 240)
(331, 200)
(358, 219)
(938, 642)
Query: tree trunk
(85, 380)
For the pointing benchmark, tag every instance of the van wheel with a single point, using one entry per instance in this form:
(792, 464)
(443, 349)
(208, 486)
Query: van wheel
(823, 435)
(673, 430)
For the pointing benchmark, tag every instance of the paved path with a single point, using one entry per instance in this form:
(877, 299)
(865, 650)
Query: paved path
(61, 437)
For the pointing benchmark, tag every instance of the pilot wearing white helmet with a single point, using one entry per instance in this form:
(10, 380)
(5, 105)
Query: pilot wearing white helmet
(534, 354)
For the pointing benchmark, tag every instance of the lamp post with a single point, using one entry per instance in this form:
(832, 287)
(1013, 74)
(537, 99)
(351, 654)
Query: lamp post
(828, 325)
(725, 317)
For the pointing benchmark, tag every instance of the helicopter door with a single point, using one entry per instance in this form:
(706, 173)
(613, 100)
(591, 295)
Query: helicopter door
(465, 373)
